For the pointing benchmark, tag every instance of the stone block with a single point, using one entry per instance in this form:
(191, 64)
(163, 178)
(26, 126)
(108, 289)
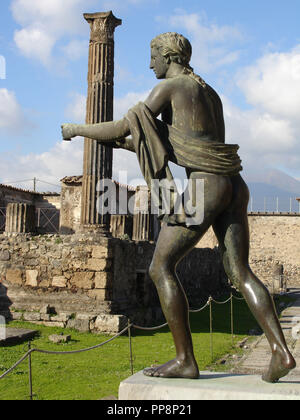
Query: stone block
(100, 294)
(32, 278)
(110, 323)
(103, 280)
(82, 325)
(45, 309)
(86, 316)
(57, 339)
(102, 251)
(99, 264)
(45, 317)
(59, 281)
(83, 280)
(16, 316)
(60, 318)
(52, 324)
(32, 316)
(14, 276)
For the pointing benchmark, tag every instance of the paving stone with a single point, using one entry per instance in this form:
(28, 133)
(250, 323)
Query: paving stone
(257, 360)
(14, 336)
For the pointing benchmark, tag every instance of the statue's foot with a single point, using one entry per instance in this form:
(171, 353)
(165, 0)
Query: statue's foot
(174, 369)
(280, 366)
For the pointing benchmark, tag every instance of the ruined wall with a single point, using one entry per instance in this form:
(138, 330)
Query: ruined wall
(274, 240)
(79, 278)
(83, 281)
(70, 205)
(94, 283)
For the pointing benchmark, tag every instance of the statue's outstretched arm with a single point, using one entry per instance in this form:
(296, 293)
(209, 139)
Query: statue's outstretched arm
(104, 132)
(110, 133)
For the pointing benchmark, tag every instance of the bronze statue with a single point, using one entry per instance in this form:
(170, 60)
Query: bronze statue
(192, 134)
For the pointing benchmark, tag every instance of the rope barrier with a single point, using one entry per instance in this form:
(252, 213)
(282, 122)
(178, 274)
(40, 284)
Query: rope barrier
(61, 352)
(221, 303)
(16, 364)
(201, 309)
(83, 350)
(150, 328)
(128, 328)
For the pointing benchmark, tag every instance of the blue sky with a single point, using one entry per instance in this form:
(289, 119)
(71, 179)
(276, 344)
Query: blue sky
(248, 51)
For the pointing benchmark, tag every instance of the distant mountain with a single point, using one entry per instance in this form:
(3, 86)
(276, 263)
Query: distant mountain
(273, 190)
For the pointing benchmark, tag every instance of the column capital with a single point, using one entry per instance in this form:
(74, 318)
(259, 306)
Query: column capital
(102, 25)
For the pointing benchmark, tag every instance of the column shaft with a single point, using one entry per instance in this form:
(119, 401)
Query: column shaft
(97, 164)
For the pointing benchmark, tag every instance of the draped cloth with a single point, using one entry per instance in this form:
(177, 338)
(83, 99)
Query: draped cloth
(157, 143)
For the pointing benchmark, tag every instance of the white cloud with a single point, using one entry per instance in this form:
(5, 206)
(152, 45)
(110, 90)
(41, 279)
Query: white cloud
(65, 158)
(44, 22)
(214, 46)
(57, 16)
(268, 133)
(12, 118)
(76, 110)
(35, 43)
(273, 83)
(75, 49)
(122, 105)
(265, 140)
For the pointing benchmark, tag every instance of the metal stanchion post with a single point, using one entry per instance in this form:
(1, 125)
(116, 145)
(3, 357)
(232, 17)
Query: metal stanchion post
(30, 373)
(211, 328)
(231, 316)
(130, 346)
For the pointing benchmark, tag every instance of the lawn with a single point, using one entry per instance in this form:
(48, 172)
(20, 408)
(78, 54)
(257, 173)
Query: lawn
(97, 374)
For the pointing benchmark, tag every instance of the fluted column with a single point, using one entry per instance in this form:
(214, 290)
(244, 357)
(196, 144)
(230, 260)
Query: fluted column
(20, 218)
(97, 164)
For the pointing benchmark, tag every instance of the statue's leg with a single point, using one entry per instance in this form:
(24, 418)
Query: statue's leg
(173, 244)
(232, 231)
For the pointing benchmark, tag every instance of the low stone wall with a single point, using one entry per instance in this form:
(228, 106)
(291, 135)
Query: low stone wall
(93, 283)
(67, 274)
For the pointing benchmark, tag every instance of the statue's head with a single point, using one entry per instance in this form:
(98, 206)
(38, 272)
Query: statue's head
(167, 48)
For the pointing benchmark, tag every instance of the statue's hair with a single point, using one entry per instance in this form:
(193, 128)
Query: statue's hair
(179, 50)
(174, 46)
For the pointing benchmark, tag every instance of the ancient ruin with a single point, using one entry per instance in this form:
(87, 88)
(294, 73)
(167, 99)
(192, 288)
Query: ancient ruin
(64, 264)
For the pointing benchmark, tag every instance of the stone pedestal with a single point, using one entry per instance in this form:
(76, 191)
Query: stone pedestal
(210, 386)
(97, 164)
(20, 218)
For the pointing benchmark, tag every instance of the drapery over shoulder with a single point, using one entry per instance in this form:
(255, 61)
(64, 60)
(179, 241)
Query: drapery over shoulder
(157, 143)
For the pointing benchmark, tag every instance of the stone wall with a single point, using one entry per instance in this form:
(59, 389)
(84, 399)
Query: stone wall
(274, 241)
(94, 283)
(79, 278)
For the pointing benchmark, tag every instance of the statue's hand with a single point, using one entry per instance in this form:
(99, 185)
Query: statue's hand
(67, 131)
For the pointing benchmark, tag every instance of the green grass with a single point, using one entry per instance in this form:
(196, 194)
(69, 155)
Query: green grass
(98, 373)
